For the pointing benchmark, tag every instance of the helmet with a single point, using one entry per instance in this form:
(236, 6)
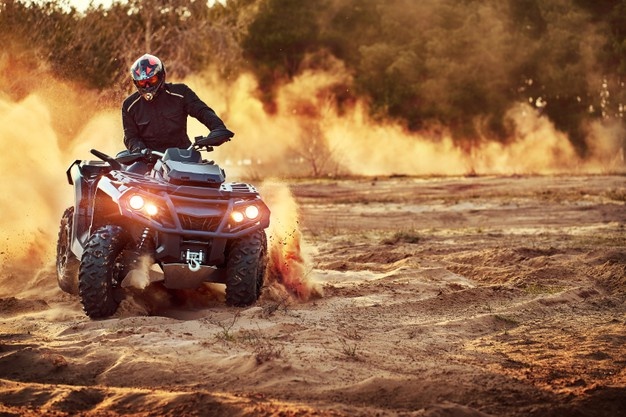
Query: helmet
(148, 74)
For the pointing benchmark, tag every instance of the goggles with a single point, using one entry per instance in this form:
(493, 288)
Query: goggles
(148, 82)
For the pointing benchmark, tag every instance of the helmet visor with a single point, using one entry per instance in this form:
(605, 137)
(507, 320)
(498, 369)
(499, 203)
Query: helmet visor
(148, 82)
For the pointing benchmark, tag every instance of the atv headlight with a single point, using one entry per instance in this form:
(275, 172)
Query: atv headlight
(151, 209)
(237, 216)
(252, 212)
(136, 202)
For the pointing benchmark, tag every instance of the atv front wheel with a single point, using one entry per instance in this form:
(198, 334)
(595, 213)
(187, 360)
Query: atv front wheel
(245, 269)
(67, 262)
(101, 271)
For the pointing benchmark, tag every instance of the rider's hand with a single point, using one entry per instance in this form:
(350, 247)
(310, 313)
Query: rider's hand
(146, 152)
(138, 147)
(217, 142)
(219, 136)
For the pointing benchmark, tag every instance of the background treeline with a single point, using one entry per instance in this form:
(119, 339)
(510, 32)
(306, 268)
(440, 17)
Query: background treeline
(453, 64)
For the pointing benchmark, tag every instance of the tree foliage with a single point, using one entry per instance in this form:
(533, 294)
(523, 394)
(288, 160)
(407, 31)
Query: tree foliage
(463, 64)
(455, 63)
(98, 46)
(279, 38)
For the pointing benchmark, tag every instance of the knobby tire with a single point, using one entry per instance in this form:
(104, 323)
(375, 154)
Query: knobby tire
(66, 262)
(245, 269)
(98, 272)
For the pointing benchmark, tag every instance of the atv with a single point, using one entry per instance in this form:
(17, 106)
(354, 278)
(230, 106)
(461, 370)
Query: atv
(179, 213)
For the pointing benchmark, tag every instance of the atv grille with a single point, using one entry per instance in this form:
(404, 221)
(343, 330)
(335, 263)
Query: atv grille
(205, 224)
(238, 187)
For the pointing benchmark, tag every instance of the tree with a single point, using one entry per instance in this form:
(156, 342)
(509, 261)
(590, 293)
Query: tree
(279, 38)
(98, 46)
(563, 68)
(458, 64)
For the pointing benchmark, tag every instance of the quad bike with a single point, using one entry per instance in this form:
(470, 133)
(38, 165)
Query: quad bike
(181, 215)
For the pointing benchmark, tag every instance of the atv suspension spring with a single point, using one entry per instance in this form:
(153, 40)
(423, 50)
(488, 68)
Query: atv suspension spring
(146, 242)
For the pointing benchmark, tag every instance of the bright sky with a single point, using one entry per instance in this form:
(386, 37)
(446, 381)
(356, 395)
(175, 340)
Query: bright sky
(82, 5)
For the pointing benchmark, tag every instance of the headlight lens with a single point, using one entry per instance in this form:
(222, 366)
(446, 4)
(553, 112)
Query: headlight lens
(252, 212)
(249, 212)
(136, 202)
(151, 209)
(237, 216)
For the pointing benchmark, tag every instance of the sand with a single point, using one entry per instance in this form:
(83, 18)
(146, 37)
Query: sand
(468, 296)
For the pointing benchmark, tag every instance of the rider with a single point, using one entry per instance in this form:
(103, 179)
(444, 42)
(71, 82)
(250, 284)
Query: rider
(155, 116)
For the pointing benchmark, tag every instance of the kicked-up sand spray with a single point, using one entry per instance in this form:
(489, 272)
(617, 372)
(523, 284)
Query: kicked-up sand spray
(289, 265)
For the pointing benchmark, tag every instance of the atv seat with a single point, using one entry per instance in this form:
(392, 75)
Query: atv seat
(185, 166)
(182, 155)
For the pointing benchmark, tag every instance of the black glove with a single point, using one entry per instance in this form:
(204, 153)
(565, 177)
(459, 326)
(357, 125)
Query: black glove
(137, 147)
(219, 141)
(218, 136)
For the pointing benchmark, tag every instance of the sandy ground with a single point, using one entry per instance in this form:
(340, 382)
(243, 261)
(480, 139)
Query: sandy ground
(499, 296)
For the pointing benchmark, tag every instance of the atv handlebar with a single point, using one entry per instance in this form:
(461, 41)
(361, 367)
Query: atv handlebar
(115, 163)
(215, 138)
(148, 153)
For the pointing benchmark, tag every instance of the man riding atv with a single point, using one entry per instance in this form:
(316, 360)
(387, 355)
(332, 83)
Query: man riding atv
(155, 116)
(178, 213)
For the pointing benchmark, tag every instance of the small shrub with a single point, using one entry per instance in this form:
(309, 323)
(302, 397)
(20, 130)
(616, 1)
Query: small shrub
(264, 349)
(403, 236)
(350, 350)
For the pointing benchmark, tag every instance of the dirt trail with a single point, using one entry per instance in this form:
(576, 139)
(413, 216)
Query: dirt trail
(485, 296)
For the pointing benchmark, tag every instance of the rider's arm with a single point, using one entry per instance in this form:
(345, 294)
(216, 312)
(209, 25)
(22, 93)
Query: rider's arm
(132, 140)
(198, 109)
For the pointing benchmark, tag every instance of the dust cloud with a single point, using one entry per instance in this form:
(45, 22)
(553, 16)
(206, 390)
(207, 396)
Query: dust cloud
(35, 153)
(308, 129)
(43, 133)
(31, 196)
(139, 277)
(289, 257)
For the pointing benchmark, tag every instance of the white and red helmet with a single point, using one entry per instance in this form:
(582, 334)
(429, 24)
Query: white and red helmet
(148, 74)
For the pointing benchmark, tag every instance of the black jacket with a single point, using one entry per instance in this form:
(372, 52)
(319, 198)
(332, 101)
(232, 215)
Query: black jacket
(162, 122)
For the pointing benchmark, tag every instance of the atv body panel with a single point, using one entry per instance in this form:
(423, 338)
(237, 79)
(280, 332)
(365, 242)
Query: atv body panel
(185, 223)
